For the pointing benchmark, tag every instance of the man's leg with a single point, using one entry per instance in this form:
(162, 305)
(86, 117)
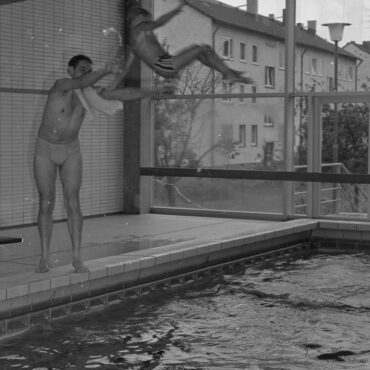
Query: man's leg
(45, 174)
(71, 177)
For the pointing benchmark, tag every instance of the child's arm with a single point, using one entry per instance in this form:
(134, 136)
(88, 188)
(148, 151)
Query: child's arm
(163, 19)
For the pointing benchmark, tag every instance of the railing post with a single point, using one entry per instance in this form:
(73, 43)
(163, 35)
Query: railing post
(314, 158)
(290, 6)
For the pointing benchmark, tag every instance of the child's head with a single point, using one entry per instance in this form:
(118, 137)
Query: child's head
(136, 13)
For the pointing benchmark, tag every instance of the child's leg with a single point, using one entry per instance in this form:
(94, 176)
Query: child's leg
(206, 55)
(188, 55)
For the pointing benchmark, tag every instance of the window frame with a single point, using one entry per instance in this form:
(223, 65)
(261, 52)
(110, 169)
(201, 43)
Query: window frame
(242, 135)
(254, 135)
(270, 77)
(243, 51)
(230, 47)
(255, 55)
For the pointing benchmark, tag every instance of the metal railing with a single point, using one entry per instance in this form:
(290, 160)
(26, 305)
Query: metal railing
(335, 197)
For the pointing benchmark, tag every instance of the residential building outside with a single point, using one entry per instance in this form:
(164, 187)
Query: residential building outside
(254, 44)
(361, 73)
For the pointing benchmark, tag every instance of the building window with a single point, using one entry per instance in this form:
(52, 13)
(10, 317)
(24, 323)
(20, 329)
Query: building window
(242, 91)
(254, 91)
(340, 71)
(227, 133)
(314, 66)
(350, 73)
(268, 152)
(281, 59)
(307, 64)
(270, 76)
(320, 66)
(269, 121)
(243, 136)
(227, 89)
(254, 54)
(228, 48)
(242, 52)
(254, 135)
(330, 83)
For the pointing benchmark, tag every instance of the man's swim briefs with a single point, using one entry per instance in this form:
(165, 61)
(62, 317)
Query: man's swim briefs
(57, 153)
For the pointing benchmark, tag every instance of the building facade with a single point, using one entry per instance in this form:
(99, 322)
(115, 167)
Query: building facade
(254, 44)
(362, 75)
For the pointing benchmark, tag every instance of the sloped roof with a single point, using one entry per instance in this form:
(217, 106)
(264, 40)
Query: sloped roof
(359, 46)
(238, 18)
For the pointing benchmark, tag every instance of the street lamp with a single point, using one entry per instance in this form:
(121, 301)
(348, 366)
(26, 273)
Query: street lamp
(336, 34)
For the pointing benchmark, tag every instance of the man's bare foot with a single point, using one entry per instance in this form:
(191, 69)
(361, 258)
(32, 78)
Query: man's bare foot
(43, 266)
(79, 266)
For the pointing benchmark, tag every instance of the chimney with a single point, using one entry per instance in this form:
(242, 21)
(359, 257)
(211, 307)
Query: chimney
(272, 16)
(366, 45)
(300, 26)
(252, 6)
(311, 27)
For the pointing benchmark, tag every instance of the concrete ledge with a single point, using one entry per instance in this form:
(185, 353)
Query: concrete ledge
(125, 270)
(60, 293)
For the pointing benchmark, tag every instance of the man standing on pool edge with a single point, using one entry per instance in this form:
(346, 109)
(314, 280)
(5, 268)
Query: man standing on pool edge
(58, 147)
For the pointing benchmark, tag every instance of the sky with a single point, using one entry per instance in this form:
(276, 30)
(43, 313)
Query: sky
(356, 12)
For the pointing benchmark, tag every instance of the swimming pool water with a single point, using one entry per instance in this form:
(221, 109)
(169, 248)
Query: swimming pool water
(306, 313)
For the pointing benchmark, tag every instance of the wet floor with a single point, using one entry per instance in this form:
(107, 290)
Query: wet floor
(114, 235)
(306, 313)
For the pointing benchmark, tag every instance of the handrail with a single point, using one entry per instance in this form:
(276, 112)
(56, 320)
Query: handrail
(255, 175)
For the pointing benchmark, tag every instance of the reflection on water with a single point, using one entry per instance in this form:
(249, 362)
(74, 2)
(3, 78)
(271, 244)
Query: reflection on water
(298, 314)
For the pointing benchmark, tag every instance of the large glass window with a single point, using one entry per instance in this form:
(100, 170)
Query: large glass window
(207, 134)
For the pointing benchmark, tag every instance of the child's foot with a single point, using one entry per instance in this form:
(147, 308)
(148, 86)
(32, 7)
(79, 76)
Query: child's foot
(43, 266)
(79, 266)
(237, 76)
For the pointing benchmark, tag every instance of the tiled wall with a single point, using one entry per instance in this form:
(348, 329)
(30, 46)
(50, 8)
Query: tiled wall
(37, 38)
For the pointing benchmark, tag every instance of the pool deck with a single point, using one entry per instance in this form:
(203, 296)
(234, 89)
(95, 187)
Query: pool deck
(122, 251)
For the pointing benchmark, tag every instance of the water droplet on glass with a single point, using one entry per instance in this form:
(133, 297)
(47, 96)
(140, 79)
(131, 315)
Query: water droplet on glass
(110, 30)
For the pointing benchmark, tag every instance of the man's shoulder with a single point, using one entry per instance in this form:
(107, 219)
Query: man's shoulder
(61, 81)
(59, 84)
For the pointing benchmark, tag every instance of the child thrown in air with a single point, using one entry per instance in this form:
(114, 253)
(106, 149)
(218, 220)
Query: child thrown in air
(145, 45)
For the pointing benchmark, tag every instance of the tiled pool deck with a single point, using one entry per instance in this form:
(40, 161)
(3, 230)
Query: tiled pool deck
(125, 250)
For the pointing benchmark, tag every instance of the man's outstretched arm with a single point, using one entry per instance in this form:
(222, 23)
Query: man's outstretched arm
(123, 73)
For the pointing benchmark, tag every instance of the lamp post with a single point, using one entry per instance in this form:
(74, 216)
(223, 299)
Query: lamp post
(336, 34)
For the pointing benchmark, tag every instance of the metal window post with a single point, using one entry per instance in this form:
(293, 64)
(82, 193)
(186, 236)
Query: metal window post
(290, 15)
